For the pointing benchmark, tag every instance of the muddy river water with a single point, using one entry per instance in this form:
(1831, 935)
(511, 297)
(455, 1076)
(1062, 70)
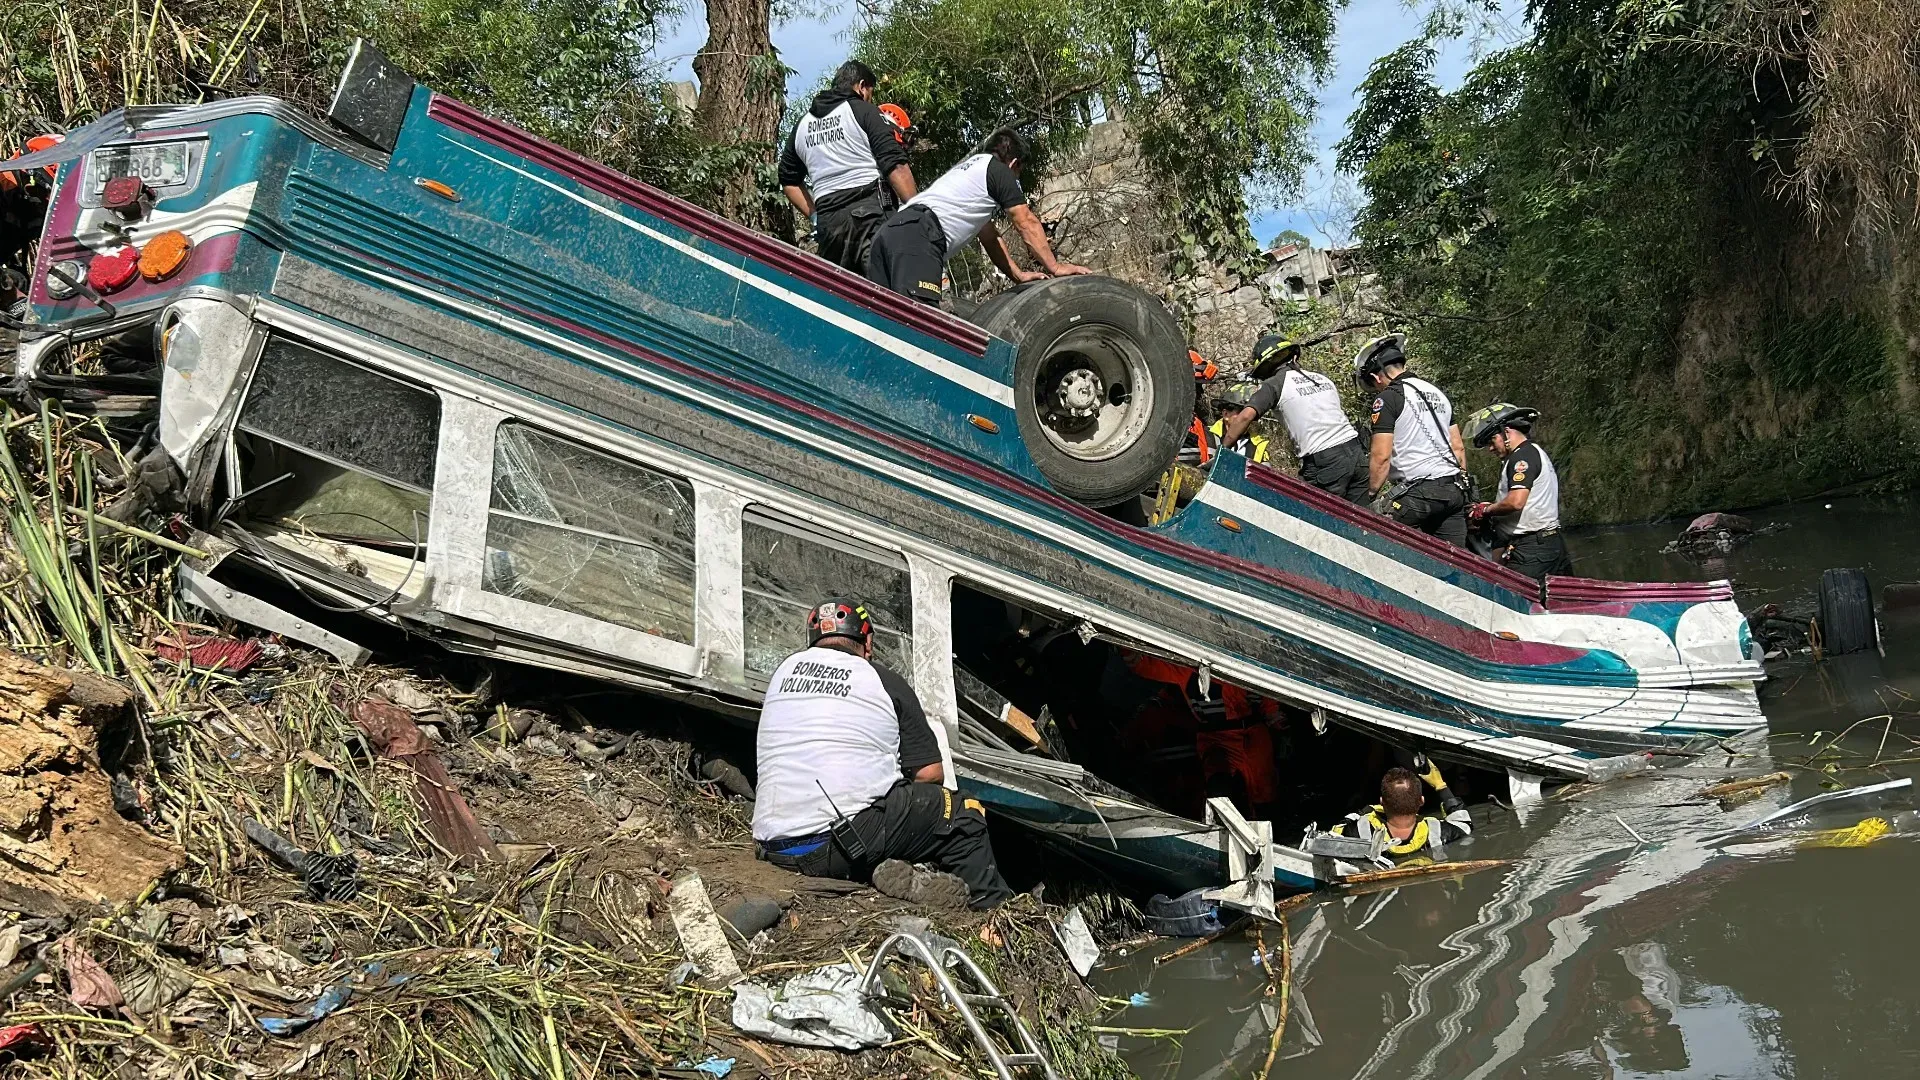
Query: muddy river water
(1593, 954)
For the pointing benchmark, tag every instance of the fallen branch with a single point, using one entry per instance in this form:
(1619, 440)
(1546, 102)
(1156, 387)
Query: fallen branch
(1406, 873)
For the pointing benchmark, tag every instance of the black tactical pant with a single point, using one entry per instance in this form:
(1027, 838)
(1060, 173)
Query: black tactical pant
(1435, 507)
(1341, 470)
(909, 254)
(845, 231)
(1539, 554)
(917, 823)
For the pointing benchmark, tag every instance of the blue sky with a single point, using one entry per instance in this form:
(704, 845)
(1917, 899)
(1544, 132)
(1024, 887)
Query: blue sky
(1368, 29)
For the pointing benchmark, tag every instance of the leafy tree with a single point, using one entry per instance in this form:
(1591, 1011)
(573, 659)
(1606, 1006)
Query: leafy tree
(1219, 92)
(1594, 223)
(1289, 236)
(580, 72)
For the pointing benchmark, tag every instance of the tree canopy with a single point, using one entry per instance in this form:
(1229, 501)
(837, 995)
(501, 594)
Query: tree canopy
(1219, 92)
(580, 72)
(1616, 220)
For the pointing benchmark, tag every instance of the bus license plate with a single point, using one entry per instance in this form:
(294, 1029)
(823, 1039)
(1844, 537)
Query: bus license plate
(158, 165)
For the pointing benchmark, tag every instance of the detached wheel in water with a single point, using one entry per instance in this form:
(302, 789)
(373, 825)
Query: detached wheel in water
(1103, 390)
(1846, 612)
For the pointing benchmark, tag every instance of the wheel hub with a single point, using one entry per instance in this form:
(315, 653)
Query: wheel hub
(1079, 393)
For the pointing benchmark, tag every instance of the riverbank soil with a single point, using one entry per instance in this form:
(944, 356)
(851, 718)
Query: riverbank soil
(551, 955)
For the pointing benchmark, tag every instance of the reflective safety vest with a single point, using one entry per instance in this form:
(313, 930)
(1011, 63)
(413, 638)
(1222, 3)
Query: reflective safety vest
(1426, 834)
(1259, 442)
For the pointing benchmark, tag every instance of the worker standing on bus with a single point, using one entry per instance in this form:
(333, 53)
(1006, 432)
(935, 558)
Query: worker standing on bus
(1331, 457)
(840, 157)
(911, 249)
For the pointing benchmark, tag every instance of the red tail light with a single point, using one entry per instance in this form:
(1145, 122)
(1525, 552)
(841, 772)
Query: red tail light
(114, 270)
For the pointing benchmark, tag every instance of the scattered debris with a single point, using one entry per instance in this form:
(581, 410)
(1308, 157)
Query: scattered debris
(1076, 941)
(391, 729)
(327, 877)
(1716, 534)
(209, 652)
(822, 1007)
(749, 915)
(701, 937)
(88, 984)
(65, 846)
(1188, 915)
(1750, 785)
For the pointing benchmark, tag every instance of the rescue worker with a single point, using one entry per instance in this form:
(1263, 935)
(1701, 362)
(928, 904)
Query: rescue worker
(1232, 737)
(1233, 399)
(842, 161)
(1331, 457)
(1200, 439)
(911, 249)
(851, 780)
(1397, 814)
(1525, 512)
(1416, 445)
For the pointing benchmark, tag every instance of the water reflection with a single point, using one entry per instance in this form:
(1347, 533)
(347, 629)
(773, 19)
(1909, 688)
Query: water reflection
(1596, 956)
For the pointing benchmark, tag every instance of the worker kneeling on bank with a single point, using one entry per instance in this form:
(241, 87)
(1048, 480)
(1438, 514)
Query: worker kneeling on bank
(851, 782)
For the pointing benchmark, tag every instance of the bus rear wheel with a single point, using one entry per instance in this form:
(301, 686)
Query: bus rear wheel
(1103, 391)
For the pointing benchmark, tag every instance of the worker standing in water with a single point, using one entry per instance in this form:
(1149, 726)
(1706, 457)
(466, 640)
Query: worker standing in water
(1331, 457)
(842, 160)
(1525, 512)
(1398, 814)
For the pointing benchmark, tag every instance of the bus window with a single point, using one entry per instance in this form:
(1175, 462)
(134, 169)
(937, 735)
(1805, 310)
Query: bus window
(572, 529)
(789, 567)
(333, 450)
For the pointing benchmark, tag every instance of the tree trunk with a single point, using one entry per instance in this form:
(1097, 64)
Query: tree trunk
(742, 94)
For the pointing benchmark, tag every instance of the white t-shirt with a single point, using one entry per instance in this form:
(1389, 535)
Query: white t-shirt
(968, 196)
(837, 722)
(1529, 467)
(1309, 406)
(1421, 449)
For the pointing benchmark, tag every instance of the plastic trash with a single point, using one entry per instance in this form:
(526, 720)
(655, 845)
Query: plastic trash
(822, 1008)
(714, 1065)
(1188, 915)
(1077, 941)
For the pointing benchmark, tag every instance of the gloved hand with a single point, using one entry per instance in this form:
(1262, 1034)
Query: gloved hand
(1477, 511)
(1429, 772)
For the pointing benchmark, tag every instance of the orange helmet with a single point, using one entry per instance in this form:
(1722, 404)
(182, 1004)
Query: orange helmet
(34, 146)
(903, 124)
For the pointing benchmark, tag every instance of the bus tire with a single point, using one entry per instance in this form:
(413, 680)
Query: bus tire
(1846, 612)
(1103, 390)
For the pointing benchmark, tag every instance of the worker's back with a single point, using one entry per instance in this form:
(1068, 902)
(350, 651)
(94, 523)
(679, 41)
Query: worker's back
(828, 723)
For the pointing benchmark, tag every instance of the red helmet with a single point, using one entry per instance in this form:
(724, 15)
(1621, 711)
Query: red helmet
(838, 617)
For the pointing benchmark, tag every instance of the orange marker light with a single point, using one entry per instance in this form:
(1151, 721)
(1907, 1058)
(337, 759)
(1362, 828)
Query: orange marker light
(1229, 524)
(983, 424)
(164, 255)
(437, 188)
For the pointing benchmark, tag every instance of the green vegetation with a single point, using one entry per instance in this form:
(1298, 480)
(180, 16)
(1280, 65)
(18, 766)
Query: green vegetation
(1677, 226)
(1219, 92)
(580, 72)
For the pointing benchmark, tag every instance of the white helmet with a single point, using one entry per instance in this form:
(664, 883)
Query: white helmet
(1378, 353)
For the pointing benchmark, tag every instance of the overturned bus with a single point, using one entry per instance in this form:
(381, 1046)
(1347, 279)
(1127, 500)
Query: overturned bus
(421, 365)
